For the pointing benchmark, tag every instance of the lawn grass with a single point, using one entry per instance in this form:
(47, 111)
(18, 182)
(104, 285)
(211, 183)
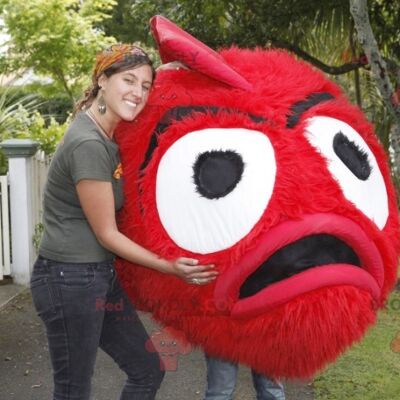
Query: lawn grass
(371, 369)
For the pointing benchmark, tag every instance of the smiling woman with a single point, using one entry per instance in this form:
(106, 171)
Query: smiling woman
(75, 270)
(125, 94)
(121, 82)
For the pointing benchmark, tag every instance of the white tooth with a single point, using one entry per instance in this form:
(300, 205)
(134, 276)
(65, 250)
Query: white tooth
(130, 103)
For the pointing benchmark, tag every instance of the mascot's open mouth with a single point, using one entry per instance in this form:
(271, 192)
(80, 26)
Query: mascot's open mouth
(305, 253)
(295, 257)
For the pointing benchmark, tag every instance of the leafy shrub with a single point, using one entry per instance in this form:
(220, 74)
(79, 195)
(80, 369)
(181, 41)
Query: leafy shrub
(46, 134)
(51, 103)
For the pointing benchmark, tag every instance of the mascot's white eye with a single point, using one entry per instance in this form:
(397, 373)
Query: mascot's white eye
(352, 164)
(213, 185)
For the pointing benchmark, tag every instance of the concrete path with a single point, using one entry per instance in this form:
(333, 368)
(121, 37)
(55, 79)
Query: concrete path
(25, 372)
(8, 291)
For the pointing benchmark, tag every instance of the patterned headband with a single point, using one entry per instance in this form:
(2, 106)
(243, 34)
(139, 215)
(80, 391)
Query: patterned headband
(113, 54)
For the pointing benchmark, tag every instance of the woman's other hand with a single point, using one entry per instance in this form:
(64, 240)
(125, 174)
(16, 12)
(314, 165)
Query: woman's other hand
(173, 65)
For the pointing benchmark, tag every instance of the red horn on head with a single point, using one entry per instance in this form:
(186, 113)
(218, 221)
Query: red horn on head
(174, 44)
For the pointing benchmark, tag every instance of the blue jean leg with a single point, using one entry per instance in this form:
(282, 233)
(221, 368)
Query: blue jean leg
(124, 338)
(221, 382)
(221, 379)
(78, 304)
(266, 388)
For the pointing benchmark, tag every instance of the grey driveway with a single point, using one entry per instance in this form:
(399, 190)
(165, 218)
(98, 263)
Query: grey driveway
(25, 372)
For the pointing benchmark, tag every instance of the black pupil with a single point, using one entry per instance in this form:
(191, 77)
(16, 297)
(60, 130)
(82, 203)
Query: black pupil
(355, 159)
(217, 172)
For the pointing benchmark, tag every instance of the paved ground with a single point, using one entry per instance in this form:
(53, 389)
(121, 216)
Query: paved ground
(8, 291)
(25, 372)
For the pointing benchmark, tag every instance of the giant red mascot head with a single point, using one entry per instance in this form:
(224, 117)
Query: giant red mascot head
(256, 162)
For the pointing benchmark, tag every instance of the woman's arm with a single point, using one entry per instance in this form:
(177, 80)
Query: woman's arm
(97, 201)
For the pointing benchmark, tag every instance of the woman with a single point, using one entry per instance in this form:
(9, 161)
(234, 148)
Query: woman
(74, 286)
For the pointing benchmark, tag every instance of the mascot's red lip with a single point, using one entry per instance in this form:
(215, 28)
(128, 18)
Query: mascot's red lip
(369, 277)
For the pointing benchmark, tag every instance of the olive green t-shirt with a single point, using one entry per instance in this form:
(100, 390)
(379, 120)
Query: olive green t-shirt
(83, 153)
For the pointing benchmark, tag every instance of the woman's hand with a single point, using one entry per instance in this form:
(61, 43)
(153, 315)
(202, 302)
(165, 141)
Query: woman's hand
(171, 66)
(188, 270)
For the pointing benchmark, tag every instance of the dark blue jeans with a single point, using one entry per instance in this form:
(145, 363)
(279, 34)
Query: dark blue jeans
(84, 307)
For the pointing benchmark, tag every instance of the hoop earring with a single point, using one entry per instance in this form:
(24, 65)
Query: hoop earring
(101, 104)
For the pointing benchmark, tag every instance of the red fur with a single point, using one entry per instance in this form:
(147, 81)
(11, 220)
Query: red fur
(302, 336)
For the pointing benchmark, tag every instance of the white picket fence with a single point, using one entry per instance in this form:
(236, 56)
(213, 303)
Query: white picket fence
(5, 247)
(40, 167)
(38, 172)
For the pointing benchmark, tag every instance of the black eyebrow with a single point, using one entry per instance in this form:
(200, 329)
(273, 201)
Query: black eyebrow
(178, 114)
(299, 108)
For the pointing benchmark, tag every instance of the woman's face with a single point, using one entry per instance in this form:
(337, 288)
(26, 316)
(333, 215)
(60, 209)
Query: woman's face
(126, 93)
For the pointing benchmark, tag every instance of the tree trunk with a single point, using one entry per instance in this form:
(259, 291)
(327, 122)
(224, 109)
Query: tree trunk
(395, 143)
(359, 11)
(354, 56)
(59, 74)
